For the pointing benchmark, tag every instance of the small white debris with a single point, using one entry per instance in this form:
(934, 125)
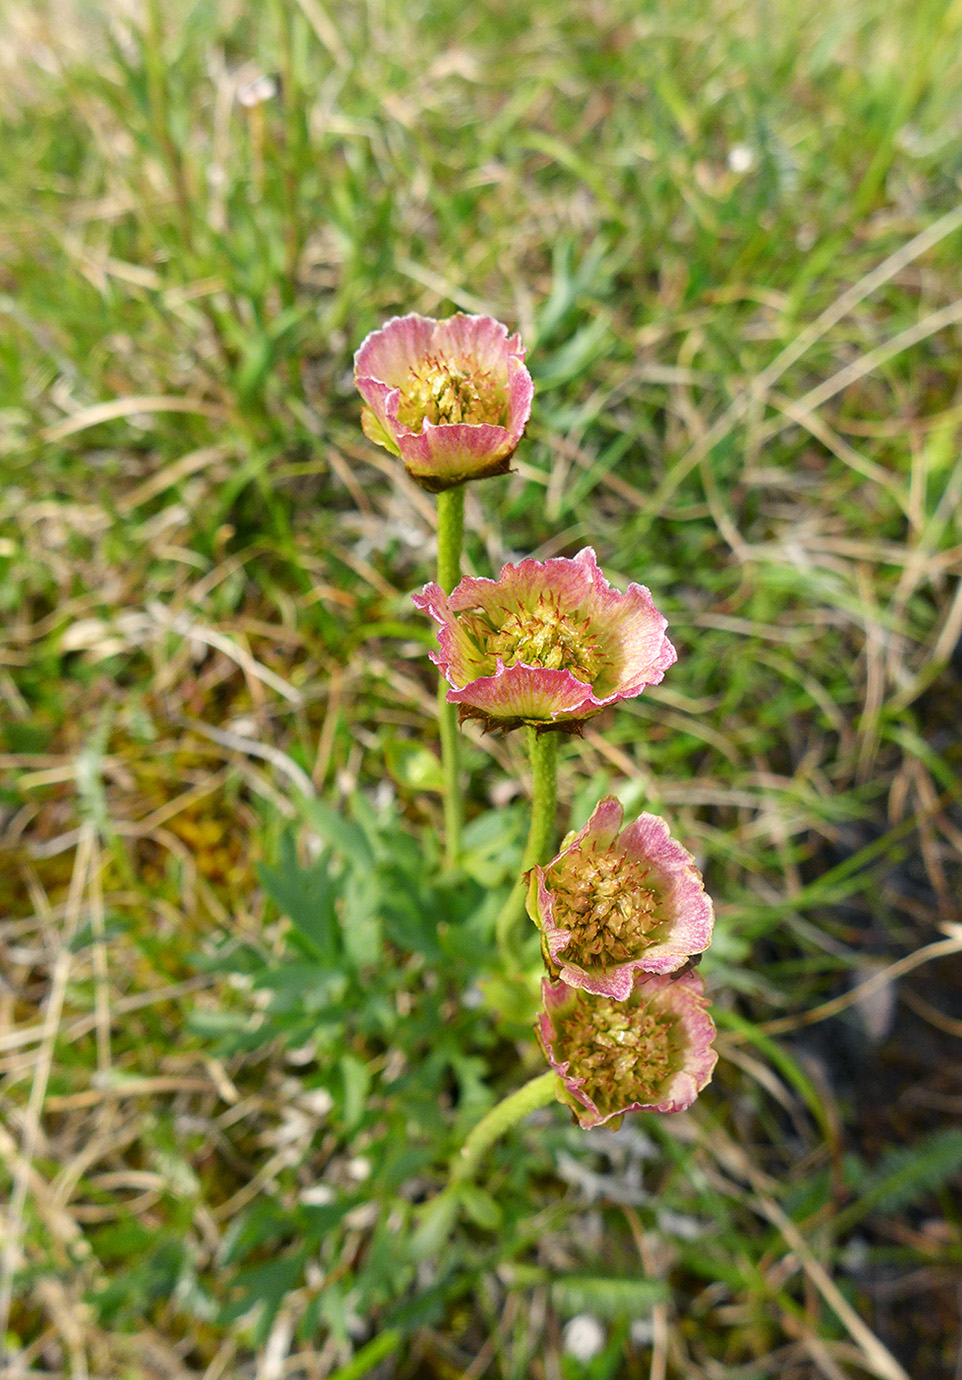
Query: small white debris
(317, 1101)
(318, 1195)
(683, 1228)
(256, 92)
(643, 1331)
(303, 1054)
(277, 1348)
(362, 1218)
(741, 158)
(583, 1337)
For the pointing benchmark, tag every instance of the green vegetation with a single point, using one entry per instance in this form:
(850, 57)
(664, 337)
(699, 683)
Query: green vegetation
(245, 1015)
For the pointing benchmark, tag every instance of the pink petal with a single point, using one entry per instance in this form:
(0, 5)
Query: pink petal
(391, 353)
(678, 881)
(632, 627)
(520, 395)
(479, 339)
(626, 629)
(568, 581)
(441, 456)
(454, 452)
(601, 829)
(532, 694)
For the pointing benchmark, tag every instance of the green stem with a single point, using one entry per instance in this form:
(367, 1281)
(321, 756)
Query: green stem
(537, 1093)
(450, 538)
(543, 754)
(440, 1214)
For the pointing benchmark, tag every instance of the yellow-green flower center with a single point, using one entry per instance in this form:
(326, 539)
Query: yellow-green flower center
(544, 636)
(602, 899)
(625, 1052)
(443, 392)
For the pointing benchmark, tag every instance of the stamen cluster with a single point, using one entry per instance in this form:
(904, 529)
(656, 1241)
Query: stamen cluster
(451, 398)
(607, 908)
(551, 637)
(619, 901)
(621, 913)
(625, 1054)
(445, 394)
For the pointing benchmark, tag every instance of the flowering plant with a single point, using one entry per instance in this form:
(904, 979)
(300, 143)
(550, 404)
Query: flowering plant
(451, 398)
(612, 904)
(549, 643)
(546, 646)
(651, 1052)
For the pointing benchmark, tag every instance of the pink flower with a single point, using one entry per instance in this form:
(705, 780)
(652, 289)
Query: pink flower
(548, 643)
(450, 397)
(650, 1053)
(610, 905)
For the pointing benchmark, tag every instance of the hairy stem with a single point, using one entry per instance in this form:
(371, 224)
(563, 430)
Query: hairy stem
(450, 537)
(543, 755)
(439, 1215)
(536, 1093)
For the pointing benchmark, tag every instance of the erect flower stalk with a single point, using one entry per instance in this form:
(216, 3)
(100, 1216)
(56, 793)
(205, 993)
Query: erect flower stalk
(546, 646)
(543, 756)
(451, 398)
(450, 538)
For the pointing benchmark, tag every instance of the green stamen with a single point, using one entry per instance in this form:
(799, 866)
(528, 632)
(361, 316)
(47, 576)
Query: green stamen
(544, 636)
(443, 392)
(625, 1053)
(602, 899)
